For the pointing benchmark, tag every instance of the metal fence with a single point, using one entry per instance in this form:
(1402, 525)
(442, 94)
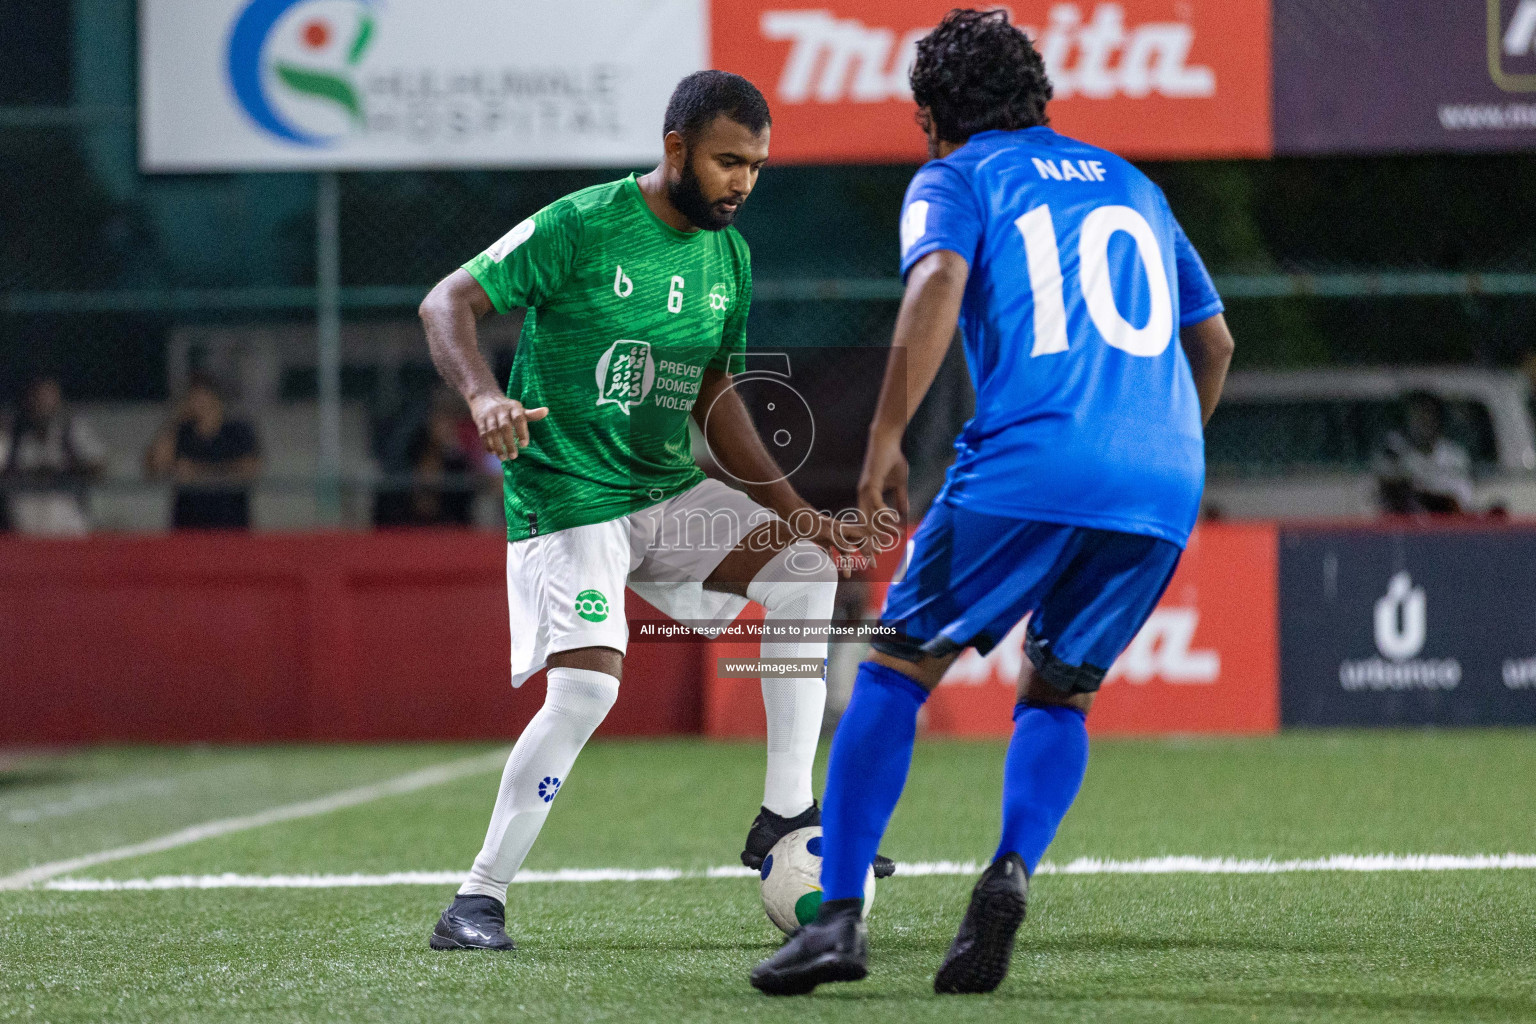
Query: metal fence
(123, 282)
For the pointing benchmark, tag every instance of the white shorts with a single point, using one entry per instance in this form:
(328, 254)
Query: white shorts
(566, 589)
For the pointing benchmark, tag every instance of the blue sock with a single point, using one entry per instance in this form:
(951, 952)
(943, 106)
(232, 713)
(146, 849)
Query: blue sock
(1047, 759)
(871, 754)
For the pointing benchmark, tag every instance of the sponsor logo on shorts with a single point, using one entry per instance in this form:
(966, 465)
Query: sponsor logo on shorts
(592, 606)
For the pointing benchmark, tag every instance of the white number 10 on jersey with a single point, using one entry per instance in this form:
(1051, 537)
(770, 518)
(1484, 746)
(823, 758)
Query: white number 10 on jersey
(1045, 281)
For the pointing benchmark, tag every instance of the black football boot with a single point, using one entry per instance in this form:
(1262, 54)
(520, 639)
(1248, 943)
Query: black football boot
(768, 828)
(472, 922)
(978, 959)
(830, 948)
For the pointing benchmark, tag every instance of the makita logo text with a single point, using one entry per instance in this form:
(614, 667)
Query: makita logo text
(1164, 650)
(1097, 55)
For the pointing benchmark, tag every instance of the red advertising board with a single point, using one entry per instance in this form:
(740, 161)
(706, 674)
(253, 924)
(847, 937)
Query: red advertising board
(1144, 78)
(394, 635)
(1207, 660)
(404, 636)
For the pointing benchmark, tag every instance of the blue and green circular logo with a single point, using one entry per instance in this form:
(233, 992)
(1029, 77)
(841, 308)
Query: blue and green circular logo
(293, 64)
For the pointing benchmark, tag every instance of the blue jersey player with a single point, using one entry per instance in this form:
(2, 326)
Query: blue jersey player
(1097, 348)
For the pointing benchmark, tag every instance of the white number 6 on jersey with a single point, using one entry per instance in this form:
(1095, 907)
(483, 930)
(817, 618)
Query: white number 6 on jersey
(675, 295)
(1045, 281)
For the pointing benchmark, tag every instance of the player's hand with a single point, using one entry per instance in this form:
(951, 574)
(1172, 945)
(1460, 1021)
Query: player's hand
(842, 540)
(503, 423)
(883, 481)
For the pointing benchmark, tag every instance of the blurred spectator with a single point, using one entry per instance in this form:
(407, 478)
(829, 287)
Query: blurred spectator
(443, 459)
(212, 459)
(48, 456)
(1423, 471)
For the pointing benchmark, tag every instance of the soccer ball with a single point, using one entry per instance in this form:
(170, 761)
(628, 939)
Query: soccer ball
(792, 880)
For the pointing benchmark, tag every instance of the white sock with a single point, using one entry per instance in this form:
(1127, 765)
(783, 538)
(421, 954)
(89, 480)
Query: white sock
(799, 585)
(575, 704)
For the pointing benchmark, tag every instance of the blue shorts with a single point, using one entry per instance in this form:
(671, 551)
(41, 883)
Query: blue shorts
(972, 577)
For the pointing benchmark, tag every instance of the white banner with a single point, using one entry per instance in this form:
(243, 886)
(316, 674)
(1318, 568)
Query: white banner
(341, 84)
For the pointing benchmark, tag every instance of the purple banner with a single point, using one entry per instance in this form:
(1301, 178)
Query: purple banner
(1367, 76)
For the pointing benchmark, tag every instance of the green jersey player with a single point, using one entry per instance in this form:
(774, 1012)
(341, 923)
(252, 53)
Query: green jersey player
(636, 295)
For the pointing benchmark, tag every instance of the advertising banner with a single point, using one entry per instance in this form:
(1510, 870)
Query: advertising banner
(1404, 76)
(1206, 661)
(339, 84)
(315, 84)
(1408, 628)
(1145, 78)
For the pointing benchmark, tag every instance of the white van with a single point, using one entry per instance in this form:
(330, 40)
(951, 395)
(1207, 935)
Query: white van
(1300, 443)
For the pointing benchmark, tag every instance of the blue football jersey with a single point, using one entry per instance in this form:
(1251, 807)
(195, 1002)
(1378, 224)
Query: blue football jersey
(1080, 278)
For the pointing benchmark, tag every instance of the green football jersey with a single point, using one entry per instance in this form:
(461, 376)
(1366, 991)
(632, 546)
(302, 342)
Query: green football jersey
(625, 313)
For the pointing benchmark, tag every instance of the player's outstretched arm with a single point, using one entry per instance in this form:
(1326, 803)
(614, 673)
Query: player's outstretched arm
(925, 326)
(1208, 346)
(449, 314)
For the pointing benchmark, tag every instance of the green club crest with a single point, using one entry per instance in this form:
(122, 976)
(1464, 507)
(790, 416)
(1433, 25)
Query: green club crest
(592, 605)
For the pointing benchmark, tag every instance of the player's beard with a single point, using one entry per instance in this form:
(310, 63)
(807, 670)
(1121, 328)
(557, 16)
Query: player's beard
(687, 195)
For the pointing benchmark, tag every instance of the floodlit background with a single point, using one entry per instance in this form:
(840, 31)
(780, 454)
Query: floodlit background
(229, 209)
(253, 197)
(1347, 251)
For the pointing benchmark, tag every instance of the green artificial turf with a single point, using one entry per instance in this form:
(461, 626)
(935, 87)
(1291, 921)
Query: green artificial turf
(55, 806)
(1302, 947)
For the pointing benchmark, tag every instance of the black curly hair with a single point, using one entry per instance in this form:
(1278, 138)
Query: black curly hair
(703, 95)
(976, 72)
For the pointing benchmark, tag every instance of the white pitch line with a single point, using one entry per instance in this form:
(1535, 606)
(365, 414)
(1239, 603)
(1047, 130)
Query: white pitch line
(409, 783)
(1337, 862)
(233, 881)
(90, 798)
(906, 869)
